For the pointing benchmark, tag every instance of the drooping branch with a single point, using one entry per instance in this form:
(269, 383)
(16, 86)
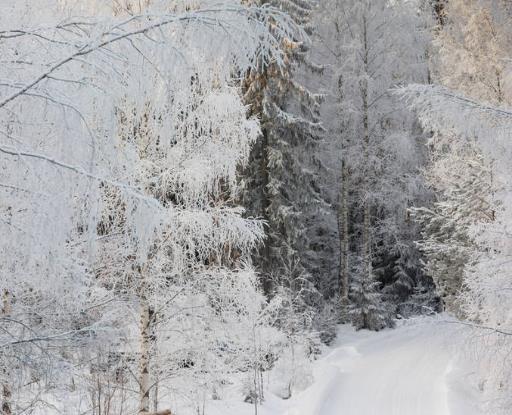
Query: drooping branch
(257, 15)
(441, 101)
(79, 170)
(46, 338)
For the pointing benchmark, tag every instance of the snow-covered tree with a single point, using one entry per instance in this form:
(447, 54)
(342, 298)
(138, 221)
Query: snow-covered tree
(380, 144)
(136, 112)
(465, 234)
(469, 55)
(280, 181)
(185, 157)
(485, 296)
(462, 183)
(471, 49)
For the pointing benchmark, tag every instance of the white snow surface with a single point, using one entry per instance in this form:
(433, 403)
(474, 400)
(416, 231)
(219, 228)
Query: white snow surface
(419, 368)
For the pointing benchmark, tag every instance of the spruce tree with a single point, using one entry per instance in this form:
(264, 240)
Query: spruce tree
(281, 181)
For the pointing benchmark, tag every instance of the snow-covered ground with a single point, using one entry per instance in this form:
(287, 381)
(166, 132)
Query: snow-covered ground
(419, 368)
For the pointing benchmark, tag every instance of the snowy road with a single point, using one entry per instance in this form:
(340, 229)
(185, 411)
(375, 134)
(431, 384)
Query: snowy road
(413, 370)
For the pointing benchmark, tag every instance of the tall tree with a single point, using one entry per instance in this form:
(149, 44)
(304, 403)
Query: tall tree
(470, 56)
(279, 184)
(380, 148)
(466, 234)
(145, 220)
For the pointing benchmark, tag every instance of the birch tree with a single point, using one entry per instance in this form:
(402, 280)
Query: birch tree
(109, 216)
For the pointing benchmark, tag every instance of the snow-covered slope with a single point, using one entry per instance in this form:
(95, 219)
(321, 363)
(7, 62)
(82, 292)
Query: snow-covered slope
(419, 368)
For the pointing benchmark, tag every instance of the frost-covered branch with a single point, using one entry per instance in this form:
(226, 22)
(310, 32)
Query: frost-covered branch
(443, 108)
(215, 17)
(78, 170)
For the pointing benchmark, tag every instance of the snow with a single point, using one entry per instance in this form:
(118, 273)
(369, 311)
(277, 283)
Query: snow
(422, 367)
(418, 368)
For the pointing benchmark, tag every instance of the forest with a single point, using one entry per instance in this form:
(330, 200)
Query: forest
(268, 207)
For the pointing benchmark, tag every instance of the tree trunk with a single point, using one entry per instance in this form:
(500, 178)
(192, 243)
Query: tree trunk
(267, 283)
(343, 232)
(343, 204)
(154, 352)
(366, 254)
(144, 358)
(155, 397)
(6, 388)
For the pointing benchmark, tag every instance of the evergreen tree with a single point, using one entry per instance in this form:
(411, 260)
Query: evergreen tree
(465, 234)
(367, 310)
(462, 183)
(281, 181)
(469, 55)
